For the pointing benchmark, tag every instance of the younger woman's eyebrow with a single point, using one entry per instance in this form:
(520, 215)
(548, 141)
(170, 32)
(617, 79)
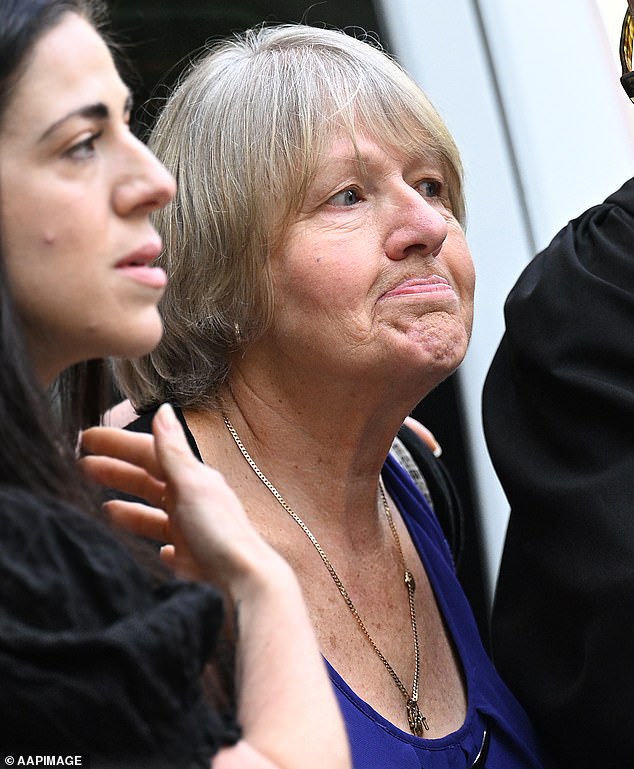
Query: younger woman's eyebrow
(96, 111)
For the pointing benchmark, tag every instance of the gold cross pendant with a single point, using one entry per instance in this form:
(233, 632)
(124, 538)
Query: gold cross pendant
(417, 721)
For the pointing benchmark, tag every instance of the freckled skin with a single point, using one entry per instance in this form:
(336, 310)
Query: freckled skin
(373, 307)
(338, 262)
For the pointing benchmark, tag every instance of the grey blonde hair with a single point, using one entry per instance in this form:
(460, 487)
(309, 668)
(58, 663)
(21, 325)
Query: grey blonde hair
(243, 134)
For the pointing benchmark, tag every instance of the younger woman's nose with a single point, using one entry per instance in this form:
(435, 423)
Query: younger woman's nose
(145, 185)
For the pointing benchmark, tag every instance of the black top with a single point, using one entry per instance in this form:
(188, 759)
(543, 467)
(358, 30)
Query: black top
(96, 657)
(559, 420)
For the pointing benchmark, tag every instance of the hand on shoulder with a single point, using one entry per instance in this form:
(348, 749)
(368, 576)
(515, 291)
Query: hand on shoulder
(188, 504)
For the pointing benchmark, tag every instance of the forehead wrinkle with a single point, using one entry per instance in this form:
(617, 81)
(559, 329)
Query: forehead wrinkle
(364, 158)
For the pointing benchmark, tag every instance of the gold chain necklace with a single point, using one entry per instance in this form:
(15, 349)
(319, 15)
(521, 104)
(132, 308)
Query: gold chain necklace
(415, 718)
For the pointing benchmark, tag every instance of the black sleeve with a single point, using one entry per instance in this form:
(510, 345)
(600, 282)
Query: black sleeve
(95, 657)
(558, 410)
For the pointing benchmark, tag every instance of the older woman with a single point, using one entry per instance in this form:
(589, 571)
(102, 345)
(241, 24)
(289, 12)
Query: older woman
(320, 286)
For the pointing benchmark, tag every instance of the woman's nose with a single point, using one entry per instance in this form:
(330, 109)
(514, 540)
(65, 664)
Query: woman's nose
(145, 184)
(418, 228)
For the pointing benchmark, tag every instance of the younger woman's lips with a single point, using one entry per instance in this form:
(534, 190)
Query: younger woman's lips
(153, 277)
(138, 265)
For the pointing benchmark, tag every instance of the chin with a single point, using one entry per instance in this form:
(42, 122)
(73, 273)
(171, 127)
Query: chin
(140, 340)
(439, 347)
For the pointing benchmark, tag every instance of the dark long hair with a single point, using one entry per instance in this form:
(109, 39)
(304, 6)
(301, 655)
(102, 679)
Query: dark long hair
(36, 452)
(23, 22)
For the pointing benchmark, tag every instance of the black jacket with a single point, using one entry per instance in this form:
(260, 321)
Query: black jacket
(559, 420)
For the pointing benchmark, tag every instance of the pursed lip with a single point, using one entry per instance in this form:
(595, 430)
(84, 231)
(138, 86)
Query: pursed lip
(430, 284)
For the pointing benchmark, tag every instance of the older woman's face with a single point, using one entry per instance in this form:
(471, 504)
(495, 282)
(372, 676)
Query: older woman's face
(76, 191)
(375, 278)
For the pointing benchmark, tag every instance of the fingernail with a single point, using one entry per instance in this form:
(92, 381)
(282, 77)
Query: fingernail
(167, 417)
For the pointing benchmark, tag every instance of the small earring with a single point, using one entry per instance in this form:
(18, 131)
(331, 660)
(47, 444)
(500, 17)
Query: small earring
(236, 327)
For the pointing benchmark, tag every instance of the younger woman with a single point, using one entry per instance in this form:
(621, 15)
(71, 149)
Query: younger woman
(97, 655)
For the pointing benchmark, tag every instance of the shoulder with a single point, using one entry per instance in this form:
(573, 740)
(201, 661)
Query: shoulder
(416, 509)
(59, 566)
(63, 569)
(36, 526)
(143, 424)
(28, 522)
(74, 604)
(562, 371)
(433, 481)
(49, 547)
(590, 258)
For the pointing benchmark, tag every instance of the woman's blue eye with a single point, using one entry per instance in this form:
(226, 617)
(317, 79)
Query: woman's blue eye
(345, 198)
(430, 188)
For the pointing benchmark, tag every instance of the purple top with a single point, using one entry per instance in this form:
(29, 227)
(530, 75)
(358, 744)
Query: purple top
(378, 744)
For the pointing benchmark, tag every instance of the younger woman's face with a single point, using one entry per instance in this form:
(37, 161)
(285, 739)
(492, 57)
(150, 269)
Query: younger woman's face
(76, 191)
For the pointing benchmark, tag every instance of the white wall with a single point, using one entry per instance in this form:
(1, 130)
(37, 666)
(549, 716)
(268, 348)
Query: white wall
(531, 93)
